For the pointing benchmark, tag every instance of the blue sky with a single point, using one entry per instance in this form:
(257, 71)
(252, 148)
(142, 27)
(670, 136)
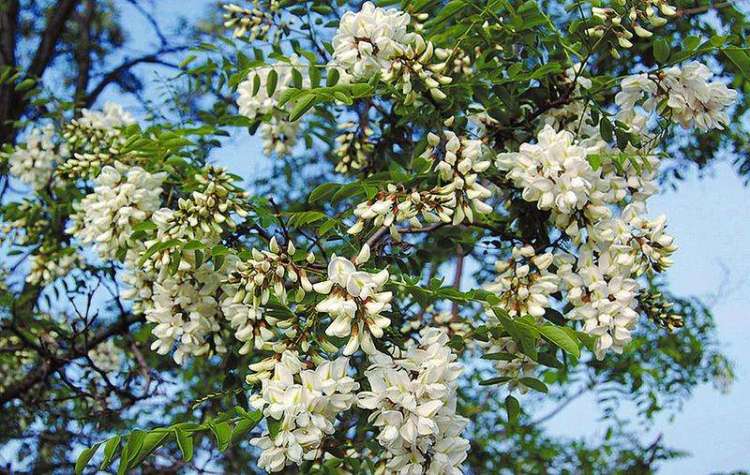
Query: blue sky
(710, 220)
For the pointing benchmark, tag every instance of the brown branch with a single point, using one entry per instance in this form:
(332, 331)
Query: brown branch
(8, 32)
(457, 277)
(116, 74)
(50, 365)
(48, 44)
(82, 53)
(697, 10)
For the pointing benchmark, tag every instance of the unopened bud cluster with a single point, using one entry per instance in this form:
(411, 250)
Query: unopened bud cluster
(254, 20)
(629, 18)
(377, 41)
(353, 147)
(95, 140)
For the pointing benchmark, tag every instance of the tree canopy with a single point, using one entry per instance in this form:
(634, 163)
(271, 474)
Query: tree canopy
(452, 241)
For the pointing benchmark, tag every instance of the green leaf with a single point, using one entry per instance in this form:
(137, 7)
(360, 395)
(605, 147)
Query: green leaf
(184, 442)
(271, 80)
(557, 336)
(496, 380)
(274, 426)
(499, 356)
(132, 449)
(661, 50)
(256, 85)
(85, 457)
(605, 129)
(223, 433)
(302, 105)
(534, 384)
(322, 192)
(110, 448)
(25, 85)
(151, 441)
(193, 245)
(513, 408)
(333, 77)
(740, 59)
(246, 424)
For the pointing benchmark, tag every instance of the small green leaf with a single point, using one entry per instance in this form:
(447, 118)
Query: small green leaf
(271, 80)
(513, 408)
(322, 192)
(661, 50)
(333, 77)
(256, 84)
(110, 448)
(185, 443)
(85, 457)
(557, 336)
(534, 384)
(246, 424)
(302, 105)
(496, 380)
(223, 433)
(605, 129)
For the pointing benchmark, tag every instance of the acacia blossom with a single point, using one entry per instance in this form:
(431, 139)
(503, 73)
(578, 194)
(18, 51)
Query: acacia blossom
(34, 162)
(123, 197)
(355, 300)
(301, 405)
(413, 399)
(692, 99)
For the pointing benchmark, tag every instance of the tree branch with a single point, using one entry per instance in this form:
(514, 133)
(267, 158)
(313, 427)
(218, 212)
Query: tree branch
(116, 74)
(51, 365)
(46, 50)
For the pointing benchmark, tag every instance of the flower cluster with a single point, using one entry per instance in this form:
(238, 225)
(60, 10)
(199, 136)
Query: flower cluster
(300, 406)
(458, 162)
(413, 400)
(213, 206)
(254, 101)
(377, 41)
(355, 301)
(690, 97)
(598, 277)
(106, 356)
(181, 292)
(255, 20)
(627, 18)
(353, 148)
(249, 286)
(34, 163)
(95, 141)
(123, 197)
(186, 311)
(46, 266)
(524, 282)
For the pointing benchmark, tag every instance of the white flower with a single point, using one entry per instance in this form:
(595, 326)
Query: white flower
(554, 172)
(303, 403)
(368, 40)
(413, 400)
(692, 100)
(34, 163)
(122, 198)
(524, 283)
(354, 301)
(112, 116)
